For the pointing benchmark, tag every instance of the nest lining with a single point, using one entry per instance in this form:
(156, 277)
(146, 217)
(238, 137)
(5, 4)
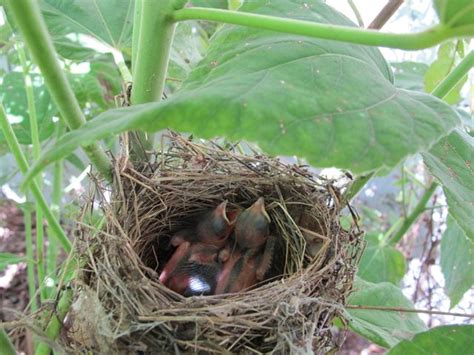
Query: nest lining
(120, 303)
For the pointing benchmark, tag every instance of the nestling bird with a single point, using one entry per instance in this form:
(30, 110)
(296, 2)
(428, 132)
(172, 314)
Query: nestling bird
(247, 264)
(252, 226)
(193, 267)
(213, 228)
(196, 273)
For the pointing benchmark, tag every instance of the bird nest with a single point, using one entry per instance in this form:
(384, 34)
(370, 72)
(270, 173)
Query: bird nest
(121, 306)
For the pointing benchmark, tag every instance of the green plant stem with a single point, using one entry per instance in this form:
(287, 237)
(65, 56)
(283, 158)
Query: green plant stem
(122, 66)
(356, 12)
(28, 18)
(58, 169)
(153, 45)
(56, 321)
(15, 148)
(450, 81)
(413, 216)
(5, 344)
(30, 263)
(355, 35)
(137, 19)
(34, 131)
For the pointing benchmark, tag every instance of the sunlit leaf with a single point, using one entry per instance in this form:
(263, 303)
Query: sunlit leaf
(329, 102)
(381, 262)
(385, 328)
(107, 20)
(13, 97)
(457, 262)
(444, 340)
(450, 161)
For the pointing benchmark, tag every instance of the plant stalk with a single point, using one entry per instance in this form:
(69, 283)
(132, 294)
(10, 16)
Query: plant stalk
(417, 211)
(30, 259)
(56, 321)
(28, 18)
(451, 80)
(388, 10)
(34, 131)
(56, 198)
(347, 34)
(15, 148)
(152, 44)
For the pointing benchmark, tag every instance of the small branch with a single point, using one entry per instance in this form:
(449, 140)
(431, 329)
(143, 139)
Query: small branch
(413, 216)
(450, 81)
(122, 66)
(58, 170)
(408, 310)
(34, 131)
(56, 321)
(347, 34)
(35, 34)
(15, 148)
(30, 258)
(384, 15)
(356, 12)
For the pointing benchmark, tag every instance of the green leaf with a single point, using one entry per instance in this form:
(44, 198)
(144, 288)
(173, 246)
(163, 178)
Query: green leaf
(457, 261)
(217, 4)
(107, 20)
(458, 13)
(384, 328)
(381, 262)
(13, 97)
(444, 340)
(187, 49)
(409, 75)
(450, 161)
(73, 50)
(9, 259)
(448, 57)
(330, 102)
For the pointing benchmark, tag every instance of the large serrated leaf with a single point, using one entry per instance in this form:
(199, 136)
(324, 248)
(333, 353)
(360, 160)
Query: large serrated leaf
(385, 328)
(330, 102)
(381, 262)
(450, 161)
(457, 262)
(107, 20)
(444, 340)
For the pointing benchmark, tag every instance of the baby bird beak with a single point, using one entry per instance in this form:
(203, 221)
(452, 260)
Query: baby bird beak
(252, 226)
(214, 227)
